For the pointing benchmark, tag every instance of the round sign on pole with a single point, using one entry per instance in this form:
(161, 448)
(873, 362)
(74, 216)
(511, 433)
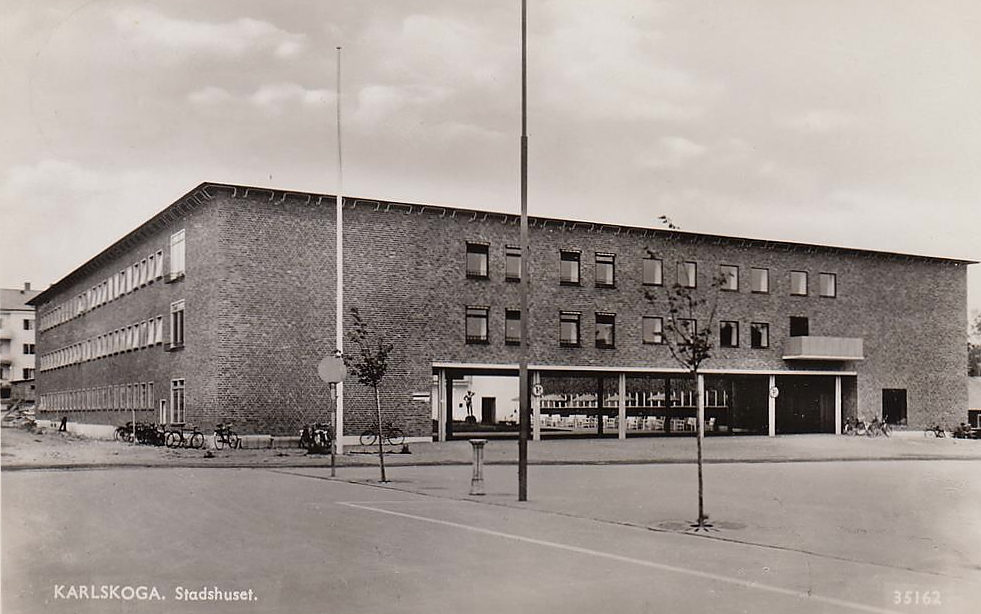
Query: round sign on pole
(774, 392)
(332, 370)
(537, 390)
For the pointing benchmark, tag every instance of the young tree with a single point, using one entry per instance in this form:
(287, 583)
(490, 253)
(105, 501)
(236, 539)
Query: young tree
(688, 334)
(369, 363)
(974, 348)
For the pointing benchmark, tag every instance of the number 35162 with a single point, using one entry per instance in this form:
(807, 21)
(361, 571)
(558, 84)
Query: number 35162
(916, 597)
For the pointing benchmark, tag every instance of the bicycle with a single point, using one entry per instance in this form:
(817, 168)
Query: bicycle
(393, 435)
(936, 431)
(854, 426)
(878, 427)
(124, 433)
(225, 436)
(177, 439)
(317, 439)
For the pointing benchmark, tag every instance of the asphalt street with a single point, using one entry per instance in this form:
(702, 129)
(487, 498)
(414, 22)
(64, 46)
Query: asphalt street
(814, 537)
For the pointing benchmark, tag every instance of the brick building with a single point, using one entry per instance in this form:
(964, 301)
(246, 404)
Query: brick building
(220, 307)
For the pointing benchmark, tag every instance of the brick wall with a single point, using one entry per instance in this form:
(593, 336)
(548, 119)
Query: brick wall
(259, 294)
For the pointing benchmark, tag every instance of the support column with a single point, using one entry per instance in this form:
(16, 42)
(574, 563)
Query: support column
(771, 408)
(622, 408)
(448, 406)
(536, 408)
(600, 410)
(439, 394)
(838, 405)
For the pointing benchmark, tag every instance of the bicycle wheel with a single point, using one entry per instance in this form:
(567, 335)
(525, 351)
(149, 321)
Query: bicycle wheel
(395, 436)
(173, 439)
(369, 438)
(219, 441)
(120, 434)
(197, 441)
(886, 430)
(234, 442)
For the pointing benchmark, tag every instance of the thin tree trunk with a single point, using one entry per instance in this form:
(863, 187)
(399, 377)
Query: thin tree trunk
(700, 404)
(381, 437)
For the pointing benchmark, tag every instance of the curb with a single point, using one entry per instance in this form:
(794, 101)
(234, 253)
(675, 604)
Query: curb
(455, 463)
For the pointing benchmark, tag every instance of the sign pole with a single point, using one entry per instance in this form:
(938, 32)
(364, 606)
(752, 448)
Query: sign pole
(333, 446)
(339, 268)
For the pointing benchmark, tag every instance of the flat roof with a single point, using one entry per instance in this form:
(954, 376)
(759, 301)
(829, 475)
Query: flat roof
(196, 196)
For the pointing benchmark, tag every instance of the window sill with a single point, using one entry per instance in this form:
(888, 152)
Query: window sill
(571, 283)
(174, 277)
(512, 343)
(478, 277)
(512, 279)
(174, 348)
(478, 342)
(569, 345)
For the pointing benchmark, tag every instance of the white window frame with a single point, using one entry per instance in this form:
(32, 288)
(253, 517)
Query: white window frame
(178, 242)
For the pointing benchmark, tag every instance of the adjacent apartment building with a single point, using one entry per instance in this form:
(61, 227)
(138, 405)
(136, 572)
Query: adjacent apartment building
(221, 306)
(17, 343)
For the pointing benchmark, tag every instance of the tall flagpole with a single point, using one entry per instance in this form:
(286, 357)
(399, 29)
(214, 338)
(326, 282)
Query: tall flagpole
(339, 269)
(524, 419)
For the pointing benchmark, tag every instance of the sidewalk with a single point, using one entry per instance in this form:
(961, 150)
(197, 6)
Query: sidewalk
(52, 450)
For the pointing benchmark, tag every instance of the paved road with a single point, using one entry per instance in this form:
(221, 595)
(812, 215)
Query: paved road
(302, 543)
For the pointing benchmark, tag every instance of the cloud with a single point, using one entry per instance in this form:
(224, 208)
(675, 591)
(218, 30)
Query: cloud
(817, 121)
(92, 209)
(273, 98)
(604, 64)
(378, 103)
(671, 152)
(231, 39)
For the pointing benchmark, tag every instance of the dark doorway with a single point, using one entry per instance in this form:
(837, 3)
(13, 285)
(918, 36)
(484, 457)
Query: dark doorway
(488, 410)
(806, 404)
(799, 326)
(894, 405)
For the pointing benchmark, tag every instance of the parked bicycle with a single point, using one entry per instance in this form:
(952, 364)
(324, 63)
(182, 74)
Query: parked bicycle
(225, 436)
(878, 427)
(854, 426)
(184, 437)
(124, 433)
(317, 439)
(393, 435)
(935, 431)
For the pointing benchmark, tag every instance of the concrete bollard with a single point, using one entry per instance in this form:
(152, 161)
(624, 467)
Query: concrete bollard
(477, 482)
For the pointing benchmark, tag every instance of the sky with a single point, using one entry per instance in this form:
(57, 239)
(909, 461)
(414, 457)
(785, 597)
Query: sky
(837, 122)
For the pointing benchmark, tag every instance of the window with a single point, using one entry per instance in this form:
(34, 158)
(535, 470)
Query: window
(512, 263)
(569, 268)
(177, 401)
(28, 348)
(799, 326)
(828, 284)
(129, 279)
(121, 284)
(143, 272)
(605, 270)
(143, 334)
(894, 405)
(28, 324)
(653, 272)
(151, 267)
(798, 283)
(158, 271)
(177, 254)
(759, 280)
(477, 260)
(512, 327)
(160, 330)
(759, 335)
(177, 324)
(653, 330)
(27, 373)
(687, 274)
(569, 328)
(605, 330)
(730, 277)
(477, 324)
(728, 334)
